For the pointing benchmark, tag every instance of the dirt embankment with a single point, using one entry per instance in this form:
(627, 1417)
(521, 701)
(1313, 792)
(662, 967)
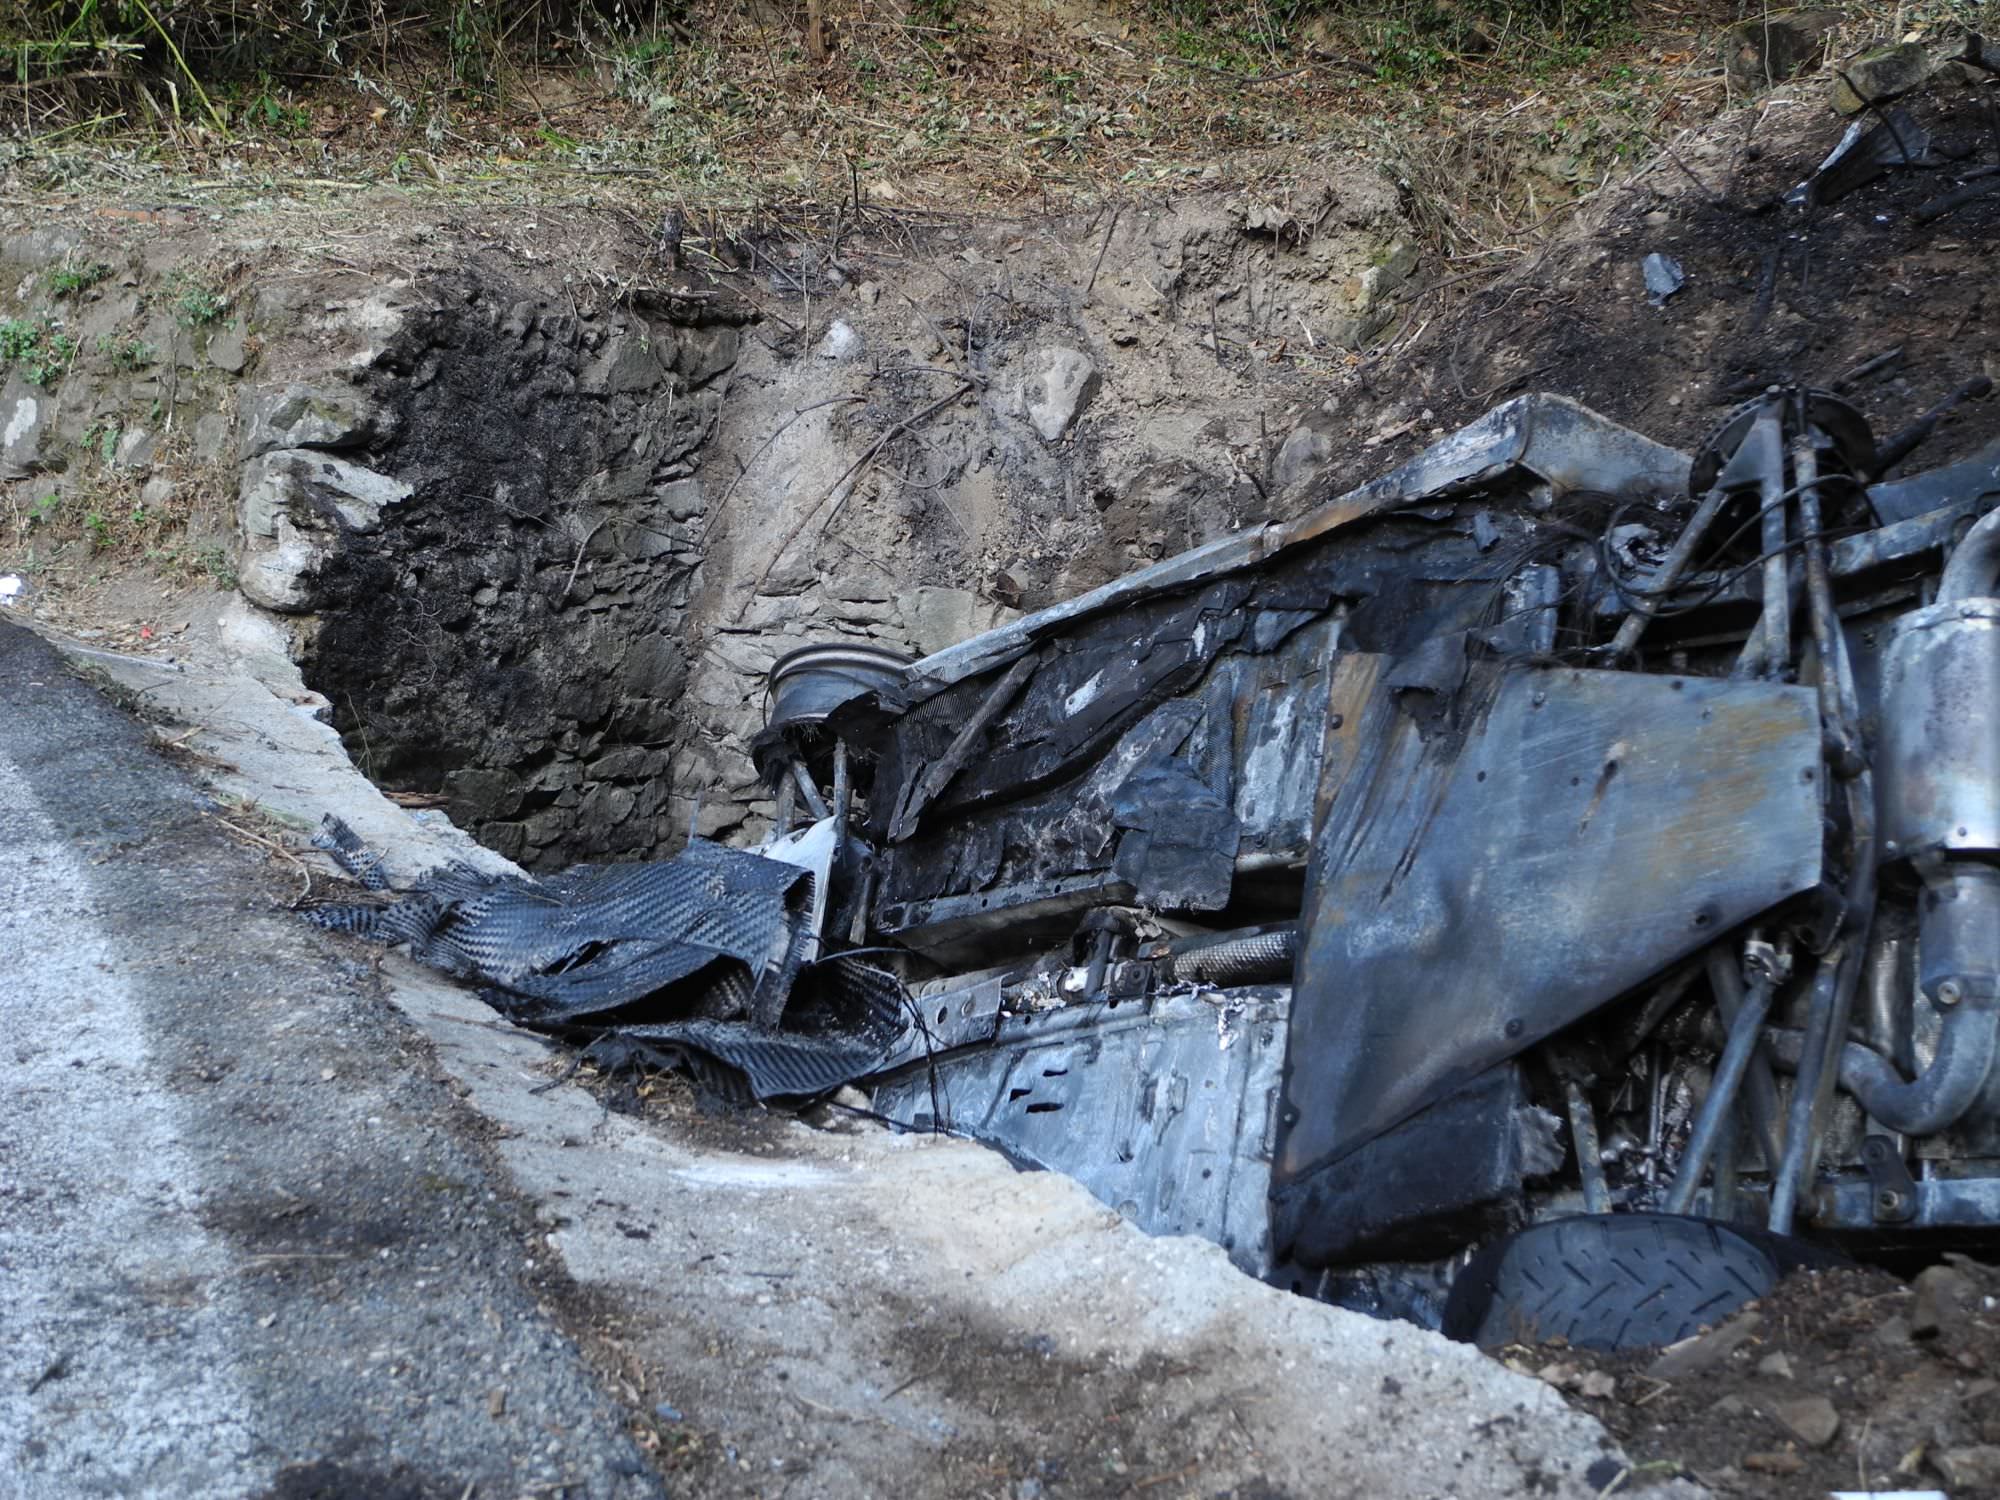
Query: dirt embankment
(1775, 293)
(1840, 1380)
(539, 494)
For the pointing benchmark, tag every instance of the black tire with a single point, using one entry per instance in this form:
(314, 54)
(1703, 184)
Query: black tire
(1614, 1281)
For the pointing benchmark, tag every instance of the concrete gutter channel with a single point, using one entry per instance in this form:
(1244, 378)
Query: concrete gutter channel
(275, 1209)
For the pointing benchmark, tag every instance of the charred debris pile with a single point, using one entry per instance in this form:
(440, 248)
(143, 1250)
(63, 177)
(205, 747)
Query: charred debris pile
(1562, 851)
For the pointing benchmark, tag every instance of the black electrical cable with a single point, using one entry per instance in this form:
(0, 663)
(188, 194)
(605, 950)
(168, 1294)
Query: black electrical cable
(1638, 598)
(1728, 541)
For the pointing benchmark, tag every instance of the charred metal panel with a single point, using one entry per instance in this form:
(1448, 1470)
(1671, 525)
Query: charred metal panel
(1547, 437)
(1228, 769)
(1165, 1111)
(1479, 882)
(1275, 709)
(1969, 481)
(959, 928)
(1232, 669)
(1447, 1176)
(1938, 771)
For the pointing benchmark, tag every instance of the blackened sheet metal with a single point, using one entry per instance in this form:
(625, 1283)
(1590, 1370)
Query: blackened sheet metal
(1551, 438)
(1472, 893)
(1265, 723)
(1024, 812)
(1177, 842)
(1448, 1176)
(1971, 479)
(1253, 729)
(957, 929)
(1863, 154)
(1165, 1110)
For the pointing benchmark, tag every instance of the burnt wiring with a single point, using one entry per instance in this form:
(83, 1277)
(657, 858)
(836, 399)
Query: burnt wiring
(1639, 598)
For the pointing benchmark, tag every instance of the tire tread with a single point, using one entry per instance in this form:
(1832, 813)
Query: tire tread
(1615, 1281)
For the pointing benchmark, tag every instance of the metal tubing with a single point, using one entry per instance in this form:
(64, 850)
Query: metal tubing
(843, 790)
(1768, 433)
(1891, 986)
(788, 796)
(1762, 1089)
(1671, 568)
(1744, 1034)
(1722, 1192)
(1837, 727)
(1258, 958)
(857, 931)
(1805, 1089)
(815, 803)
(1589, 1153)
(1936, 1098)
(1974, 569)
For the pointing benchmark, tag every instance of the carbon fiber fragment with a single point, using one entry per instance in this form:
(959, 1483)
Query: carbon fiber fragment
(702, 952)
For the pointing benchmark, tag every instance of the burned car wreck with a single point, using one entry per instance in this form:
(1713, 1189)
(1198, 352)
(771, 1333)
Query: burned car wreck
(1550, 889)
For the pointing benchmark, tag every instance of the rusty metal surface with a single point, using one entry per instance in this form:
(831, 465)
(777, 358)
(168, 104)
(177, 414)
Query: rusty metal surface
(1472, 894)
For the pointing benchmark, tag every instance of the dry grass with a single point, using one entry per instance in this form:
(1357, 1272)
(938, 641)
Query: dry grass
(97, 518)
(957, 102)
(1494, 129)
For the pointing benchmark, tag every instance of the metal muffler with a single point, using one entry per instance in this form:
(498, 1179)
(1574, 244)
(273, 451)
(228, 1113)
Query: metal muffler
(1938, 793)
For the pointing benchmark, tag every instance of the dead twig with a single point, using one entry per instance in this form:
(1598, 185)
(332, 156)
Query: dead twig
(275, 847)
(1660, 1388)
(581, 548)
(1098, 265)
(1142, 1485)
(55, 1369)
(924, 1374)
(843, 486)
(762, 448)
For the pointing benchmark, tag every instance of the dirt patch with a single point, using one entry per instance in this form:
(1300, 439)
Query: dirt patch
(326, 1480)
(1844, 1379)
(1089, 1427)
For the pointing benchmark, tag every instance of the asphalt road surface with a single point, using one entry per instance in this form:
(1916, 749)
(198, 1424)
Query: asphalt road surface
(250, 1242)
